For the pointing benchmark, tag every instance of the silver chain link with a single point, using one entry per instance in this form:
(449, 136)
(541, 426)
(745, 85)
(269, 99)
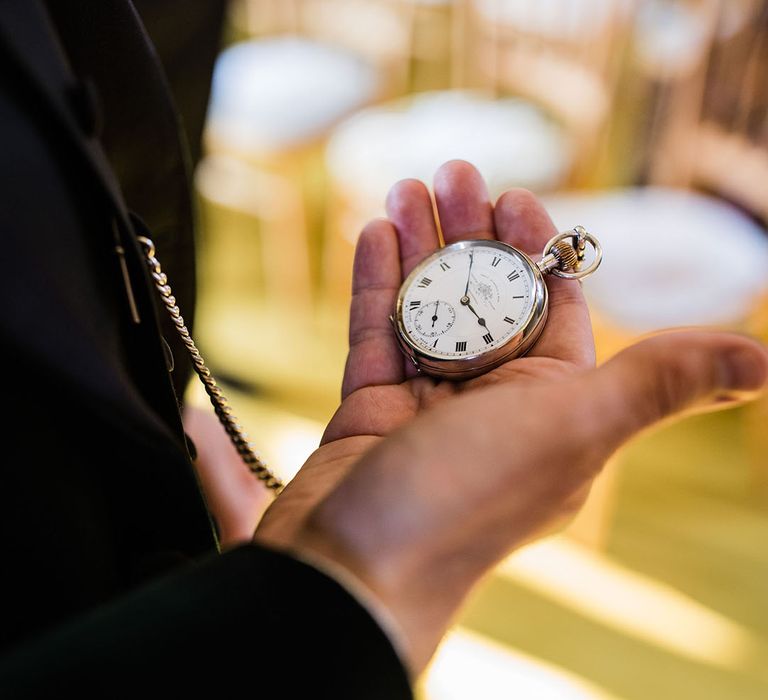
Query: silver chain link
(220, 405)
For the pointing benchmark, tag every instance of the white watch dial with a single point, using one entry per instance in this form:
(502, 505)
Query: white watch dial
(467, 301)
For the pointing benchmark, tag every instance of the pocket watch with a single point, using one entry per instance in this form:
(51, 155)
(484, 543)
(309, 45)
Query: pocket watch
(474, 305)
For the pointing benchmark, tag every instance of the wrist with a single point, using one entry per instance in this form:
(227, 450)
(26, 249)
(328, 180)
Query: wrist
(398, 575)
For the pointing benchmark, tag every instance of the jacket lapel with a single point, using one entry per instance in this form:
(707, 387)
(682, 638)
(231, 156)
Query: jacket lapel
(29, 44)
(33, 46)
(107, 44)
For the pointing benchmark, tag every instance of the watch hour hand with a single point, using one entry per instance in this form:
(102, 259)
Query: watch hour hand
(465, 302)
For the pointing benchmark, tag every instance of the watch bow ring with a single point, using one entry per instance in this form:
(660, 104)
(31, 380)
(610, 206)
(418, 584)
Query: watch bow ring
(473, 305)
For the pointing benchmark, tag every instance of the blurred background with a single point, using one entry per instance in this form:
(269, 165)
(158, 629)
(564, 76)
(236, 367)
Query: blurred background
(643, 120)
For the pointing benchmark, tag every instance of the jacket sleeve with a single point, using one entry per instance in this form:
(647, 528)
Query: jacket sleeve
(252, 620)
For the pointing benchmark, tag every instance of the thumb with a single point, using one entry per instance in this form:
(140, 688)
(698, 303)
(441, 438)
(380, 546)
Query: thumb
(666, 375)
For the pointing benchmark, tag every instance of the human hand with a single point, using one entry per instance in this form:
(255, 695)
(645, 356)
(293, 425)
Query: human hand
(380, 391)
(419, 481)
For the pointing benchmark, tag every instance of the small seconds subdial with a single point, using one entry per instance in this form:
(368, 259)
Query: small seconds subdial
(434, 318)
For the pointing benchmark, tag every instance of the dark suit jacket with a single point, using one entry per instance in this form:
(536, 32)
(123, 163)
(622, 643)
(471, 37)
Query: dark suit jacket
(112, 584)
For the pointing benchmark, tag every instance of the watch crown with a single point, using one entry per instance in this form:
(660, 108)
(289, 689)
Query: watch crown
(566, 256)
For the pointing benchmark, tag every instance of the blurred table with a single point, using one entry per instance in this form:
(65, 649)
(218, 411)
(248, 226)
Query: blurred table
(511, 141)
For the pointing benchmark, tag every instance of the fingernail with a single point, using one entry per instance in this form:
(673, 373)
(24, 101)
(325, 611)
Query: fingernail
(745, 369)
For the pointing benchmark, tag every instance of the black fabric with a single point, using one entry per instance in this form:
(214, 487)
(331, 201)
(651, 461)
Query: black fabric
(187, 38)
(100, 500)
(276, 628)
(97, 486)
(142, 130)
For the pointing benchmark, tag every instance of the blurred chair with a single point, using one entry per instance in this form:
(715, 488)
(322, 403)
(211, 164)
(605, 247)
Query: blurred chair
(672, 258)
(709, 125)
(411, 37)
(256, 247)
(731, 141)
(381, 32)
(434, 36)
(272, 101)
(511, 142)
(263, 18)
(563, 55)
(670, 48)
(297, 69)
(275, 99)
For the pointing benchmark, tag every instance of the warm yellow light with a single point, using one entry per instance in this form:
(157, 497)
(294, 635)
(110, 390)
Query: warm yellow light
(282, 439)
(292, 444)
(470, 666)
(633, 604)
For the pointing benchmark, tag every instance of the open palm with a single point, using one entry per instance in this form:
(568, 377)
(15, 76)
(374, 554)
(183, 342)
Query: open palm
(381, 391)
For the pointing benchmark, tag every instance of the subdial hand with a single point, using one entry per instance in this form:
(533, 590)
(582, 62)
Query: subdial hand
(434, 318)
(465, 302)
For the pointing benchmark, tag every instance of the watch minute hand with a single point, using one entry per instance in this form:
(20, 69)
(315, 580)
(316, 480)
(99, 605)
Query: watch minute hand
(469, 273)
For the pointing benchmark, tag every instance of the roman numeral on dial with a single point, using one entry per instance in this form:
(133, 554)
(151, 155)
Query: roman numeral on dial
(512, 276)
(488, 338)
(425, 282)
(461, 346)
(445, 266)
(495, 261)
(414, 305)
(509, 320)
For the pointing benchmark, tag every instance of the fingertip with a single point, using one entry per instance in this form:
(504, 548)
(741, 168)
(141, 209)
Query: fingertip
(404, 195)
(522, 221)
(521, 197)
(377, 260)
(377, 233)
(375, 229)
(745, 366)
(457, 174)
